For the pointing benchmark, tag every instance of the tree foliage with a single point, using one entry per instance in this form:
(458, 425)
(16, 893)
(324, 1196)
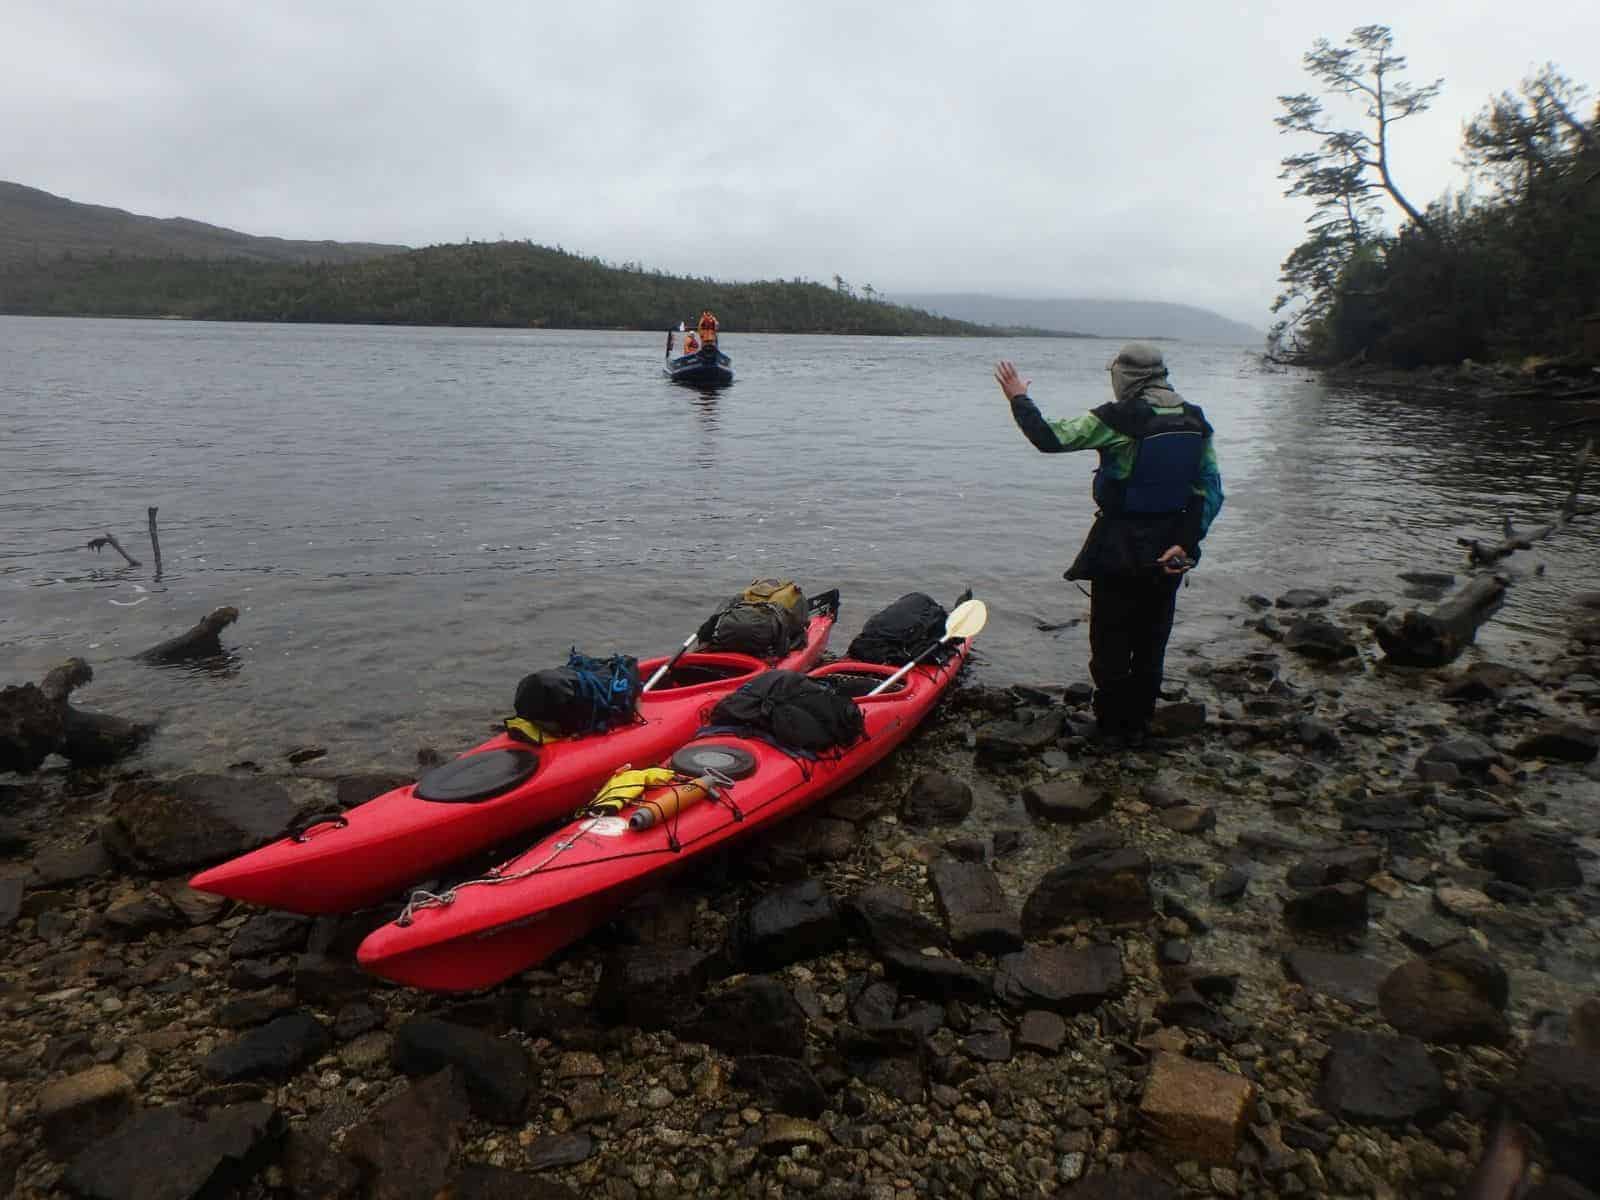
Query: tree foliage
(1511, 272)
(514, 284)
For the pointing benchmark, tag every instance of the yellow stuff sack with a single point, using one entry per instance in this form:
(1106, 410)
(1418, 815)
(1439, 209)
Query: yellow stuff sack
(784, 593)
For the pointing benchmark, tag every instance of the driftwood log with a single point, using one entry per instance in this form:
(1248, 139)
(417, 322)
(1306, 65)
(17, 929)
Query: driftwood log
(100, 543)
(1484, 553)
(1432, 639)
(36, 721)
(200, 642)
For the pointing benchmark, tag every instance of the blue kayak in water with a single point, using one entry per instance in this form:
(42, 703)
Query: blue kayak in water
(707, 365)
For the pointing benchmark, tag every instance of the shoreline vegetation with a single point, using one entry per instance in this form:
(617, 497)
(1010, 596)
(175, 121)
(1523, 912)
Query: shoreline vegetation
(1505, 268)
(513, 285)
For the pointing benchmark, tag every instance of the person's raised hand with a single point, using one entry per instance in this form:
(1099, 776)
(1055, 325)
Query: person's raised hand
(1012, 384)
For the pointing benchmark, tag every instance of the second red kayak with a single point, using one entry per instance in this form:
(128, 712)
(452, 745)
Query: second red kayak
(497, 791)
(486, 930)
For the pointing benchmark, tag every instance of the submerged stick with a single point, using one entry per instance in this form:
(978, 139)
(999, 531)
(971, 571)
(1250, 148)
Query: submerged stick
(96, 544)
(155, 543)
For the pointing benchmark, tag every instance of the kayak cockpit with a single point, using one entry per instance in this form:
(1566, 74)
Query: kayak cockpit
(475, 777)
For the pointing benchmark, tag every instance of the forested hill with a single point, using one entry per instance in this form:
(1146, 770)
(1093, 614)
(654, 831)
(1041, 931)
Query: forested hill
(1094, 318)
(36, 226)
(480, 283)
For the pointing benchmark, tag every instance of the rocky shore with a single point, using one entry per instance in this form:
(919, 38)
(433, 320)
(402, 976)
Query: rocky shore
(1324, 933)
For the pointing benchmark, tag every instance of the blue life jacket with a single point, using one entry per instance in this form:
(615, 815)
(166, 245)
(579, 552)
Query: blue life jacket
(1166, 461)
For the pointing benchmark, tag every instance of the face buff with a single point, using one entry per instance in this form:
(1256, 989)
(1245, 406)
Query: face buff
(1137, 369)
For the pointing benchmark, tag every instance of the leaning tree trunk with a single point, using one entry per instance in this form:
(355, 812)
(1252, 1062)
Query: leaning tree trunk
(1432, 639)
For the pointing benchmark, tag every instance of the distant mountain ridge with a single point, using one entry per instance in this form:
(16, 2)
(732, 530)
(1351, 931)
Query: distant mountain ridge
(1098, 318)
(38, 226)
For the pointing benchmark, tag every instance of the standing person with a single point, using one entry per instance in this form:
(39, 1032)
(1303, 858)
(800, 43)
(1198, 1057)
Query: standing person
(1157, 489)
(708, 328)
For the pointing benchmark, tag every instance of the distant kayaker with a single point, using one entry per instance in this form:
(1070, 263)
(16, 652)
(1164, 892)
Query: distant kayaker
(1157, 490)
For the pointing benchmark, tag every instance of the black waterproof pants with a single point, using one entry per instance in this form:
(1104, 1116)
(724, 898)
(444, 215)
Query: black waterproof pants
(1130, 619)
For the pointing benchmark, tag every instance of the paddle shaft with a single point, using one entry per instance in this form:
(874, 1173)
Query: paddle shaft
(903, 671)
(670, 663)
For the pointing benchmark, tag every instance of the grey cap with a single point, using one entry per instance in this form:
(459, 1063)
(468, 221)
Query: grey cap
(1141, 356)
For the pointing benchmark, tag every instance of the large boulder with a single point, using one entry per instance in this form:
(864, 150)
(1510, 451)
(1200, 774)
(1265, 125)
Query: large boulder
(276, 1050)
(31, 725)
(406, 1146)
(789, 925)
(495, 1070)
(1456, 996)
(196, 821)
(1112, 886)
(170, 1154)
(936, 799)
(975, 910)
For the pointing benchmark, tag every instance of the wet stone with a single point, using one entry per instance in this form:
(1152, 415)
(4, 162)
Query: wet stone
(1058, 978)
(1467, 753)
(1230, 885)
(758, 1015)
(1562, 741)
(1374, 1079)
(11, 889)
(167, 1153)
(792, 924)
(71, 864)
(886, 918)
(1428, 933)
(1557, 1091)
(647, 986)
(1002, 741)
(1456, 996)
(936, 799)
(1189, 818)
(266, 934)
(1066, 801)
(975, 910)
(1178, 720)
(81, 1109)
(1464, 904)
(1349, 978)
(1337, 908)
(405, 1147)
(197, 820)
(784, 1084)
(1321, 639)
(1112, 886)
(1195, 1111)
(275, 1050)
(1302, 598)
(1532, 858)
(1041, 1031)
(495, 1070)
(938, 978)
(559, 1150)
(1351, 865)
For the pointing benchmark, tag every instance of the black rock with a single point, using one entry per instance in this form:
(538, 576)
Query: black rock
(355, 1019)
(1113, 887)
(495, 1070)
(781, 1083)
(1008, 841)
(1177, 720)
(991, 1044)
(1467, 752)
(1320, 638)
(31, 725)
(886, 918)
(1058, 978)
(1007, 740)
(1428, 933)
(895, 1060)
(968, 849)
(1470, 808)
(1456, 996)
(11, 888)
(1557, 1091)
(1303, 598)
(196, 821)
(1174, 952)
(1533, 858)
(270, 933)
(1065, 800)
(936, 799)
(70, 864)
(276, 1050)
(325, 980)
(872, 1001)
(758, 1015)
(1231, 884)
(1373, 1079)
(938, 978)
(1349, 978)
(313, 1169)
(1337, 908)
(352, 790)
(168, 1154)
(406, 1146)
(790, 925)
(91, 739)
(648, 985)
(1354, 864)
(1563, 741)
(559, 1150)
(1041, 1031)
(975, 910)
(478, 1181)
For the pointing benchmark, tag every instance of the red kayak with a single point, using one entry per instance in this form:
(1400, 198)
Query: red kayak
(498, 791)
(486, 930)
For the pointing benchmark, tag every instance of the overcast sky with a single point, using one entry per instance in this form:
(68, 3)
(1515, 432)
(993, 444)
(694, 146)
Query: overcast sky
(1121, 150)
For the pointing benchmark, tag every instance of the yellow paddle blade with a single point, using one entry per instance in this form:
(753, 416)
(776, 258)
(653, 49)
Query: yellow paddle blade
(966, 620)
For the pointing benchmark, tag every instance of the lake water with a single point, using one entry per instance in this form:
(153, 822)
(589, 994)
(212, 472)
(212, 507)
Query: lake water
(411, 519)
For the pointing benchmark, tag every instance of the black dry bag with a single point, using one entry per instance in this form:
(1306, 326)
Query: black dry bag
(900, 632)
(795, 710)
(585, 696)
